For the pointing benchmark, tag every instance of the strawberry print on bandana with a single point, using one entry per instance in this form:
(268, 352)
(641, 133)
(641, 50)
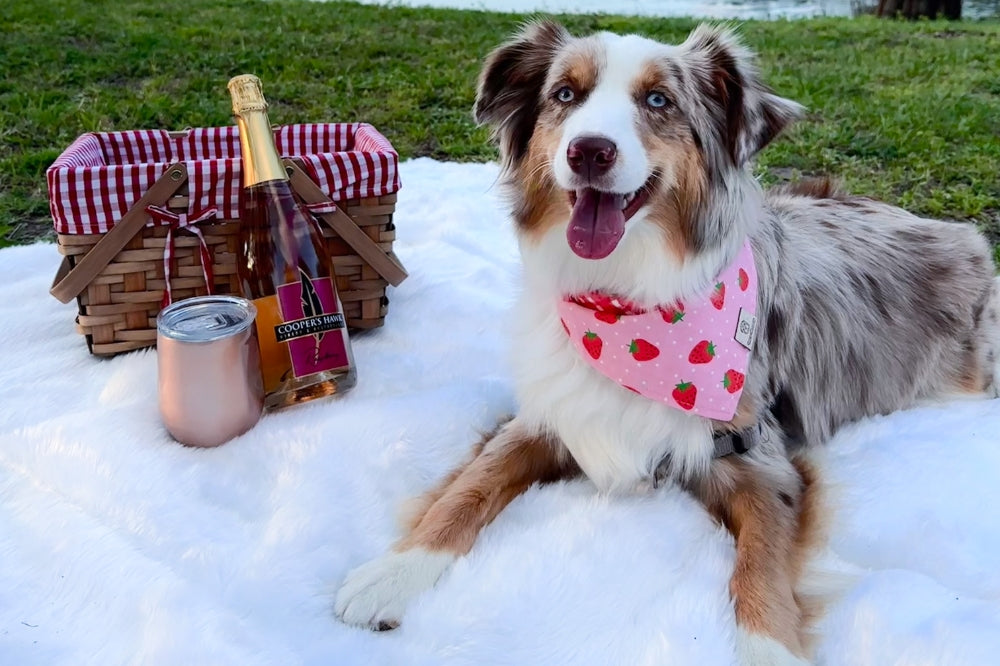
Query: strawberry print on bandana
(687, 355)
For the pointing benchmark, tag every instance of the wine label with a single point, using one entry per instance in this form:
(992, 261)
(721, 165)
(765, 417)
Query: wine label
(313, 326)
(301, 331)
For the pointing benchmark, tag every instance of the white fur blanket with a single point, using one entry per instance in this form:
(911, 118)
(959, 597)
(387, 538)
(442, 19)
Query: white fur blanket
(119, 546)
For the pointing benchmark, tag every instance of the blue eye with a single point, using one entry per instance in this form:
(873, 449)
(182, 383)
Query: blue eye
(565, 95)
(656, 100)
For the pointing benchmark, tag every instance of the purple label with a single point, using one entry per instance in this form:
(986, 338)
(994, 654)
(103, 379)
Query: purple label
(313, 326)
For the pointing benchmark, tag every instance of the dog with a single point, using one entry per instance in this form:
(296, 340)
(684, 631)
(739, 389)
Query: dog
(679, 324)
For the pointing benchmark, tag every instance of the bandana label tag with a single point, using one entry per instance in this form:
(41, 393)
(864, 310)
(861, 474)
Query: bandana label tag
(745, 327)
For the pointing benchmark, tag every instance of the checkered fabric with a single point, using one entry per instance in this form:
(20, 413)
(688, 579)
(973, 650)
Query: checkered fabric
(102, 174)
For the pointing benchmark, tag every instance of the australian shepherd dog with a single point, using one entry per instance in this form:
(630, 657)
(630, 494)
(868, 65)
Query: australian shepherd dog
(681, 325)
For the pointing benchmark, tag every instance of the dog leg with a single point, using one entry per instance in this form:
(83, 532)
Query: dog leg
(376, 594)
(759, 497)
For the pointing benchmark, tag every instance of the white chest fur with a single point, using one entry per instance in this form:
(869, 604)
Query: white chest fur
(616, 437)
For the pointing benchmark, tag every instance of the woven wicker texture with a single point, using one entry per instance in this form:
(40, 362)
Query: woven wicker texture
(118, 308)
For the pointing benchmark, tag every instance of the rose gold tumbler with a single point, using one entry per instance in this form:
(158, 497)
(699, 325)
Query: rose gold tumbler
(210, 384)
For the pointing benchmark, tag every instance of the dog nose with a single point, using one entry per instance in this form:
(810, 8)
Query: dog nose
(591, 155)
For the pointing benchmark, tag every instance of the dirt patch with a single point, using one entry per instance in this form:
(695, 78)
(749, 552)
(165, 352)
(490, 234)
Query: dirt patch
(23, 233)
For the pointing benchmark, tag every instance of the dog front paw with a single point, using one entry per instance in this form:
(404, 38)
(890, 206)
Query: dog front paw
(375, 594)
(759, 650)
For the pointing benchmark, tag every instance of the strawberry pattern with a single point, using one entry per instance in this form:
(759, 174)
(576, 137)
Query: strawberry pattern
(683, 355)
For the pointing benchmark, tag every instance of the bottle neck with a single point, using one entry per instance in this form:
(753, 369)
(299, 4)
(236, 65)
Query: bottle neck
(261, 162)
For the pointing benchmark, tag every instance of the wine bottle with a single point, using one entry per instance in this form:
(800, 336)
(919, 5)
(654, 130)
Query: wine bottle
(285, 270)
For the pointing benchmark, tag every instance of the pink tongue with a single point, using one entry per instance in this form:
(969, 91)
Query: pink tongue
(597, 223)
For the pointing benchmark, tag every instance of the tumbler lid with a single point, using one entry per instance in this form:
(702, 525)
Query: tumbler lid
(206, 318)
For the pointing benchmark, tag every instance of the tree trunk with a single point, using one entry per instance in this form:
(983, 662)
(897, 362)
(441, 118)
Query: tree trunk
(911, 9)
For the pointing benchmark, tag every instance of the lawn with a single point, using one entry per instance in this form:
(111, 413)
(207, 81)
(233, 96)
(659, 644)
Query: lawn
(906, 112)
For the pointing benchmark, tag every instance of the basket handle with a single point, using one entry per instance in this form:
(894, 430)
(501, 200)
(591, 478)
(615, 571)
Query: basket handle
(384, 264)
(69, 282)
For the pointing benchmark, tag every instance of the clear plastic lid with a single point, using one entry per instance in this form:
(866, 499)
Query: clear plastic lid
(206, 318)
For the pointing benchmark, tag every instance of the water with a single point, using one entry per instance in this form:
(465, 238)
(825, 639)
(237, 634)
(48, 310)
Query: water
(734, 9)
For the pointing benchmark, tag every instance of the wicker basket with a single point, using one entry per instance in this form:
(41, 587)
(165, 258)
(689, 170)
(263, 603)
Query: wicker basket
(118, 276)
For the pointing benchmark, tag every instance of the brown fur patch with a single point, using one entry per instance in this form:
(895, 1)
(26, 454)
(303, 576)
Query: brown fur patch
(691, 193)
(651, 77)
(814, 188)
(764, 519)
(579, 69)
(973, 381)
(746, 415)
(677, 201)
(541, 202)
(810, 534)
(475, 494)
(676, 209)
(414, 511)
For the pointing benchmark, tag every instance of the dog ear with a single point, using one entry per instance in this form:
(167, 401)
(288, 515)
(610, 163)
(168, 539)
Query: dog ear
(510, 84)
(746, 113)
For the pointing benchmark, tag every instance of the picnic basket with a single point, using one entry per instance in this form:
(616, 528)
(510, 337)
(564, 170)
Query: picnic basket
(147, 217)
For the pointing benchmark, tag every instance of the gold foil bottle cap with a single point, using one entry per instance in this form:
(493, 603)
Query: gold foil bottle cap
(246, 93)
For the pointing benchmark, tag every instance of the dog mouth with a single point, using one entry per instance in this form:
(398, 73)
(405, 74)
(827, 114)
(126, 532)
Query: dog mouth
(597, 222)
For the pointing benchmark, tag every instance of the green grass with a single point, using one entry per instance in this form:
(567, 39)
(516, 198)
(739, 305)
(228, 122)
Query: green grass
(906, 112)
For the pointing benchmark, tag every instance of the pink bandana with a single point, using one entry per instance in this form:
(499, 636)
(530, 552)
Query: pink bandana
(692, 356)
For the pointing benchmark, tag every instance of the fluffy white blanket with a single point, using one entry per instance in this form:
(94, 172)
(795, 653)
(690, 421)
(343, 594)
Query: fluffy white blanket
(118, 545)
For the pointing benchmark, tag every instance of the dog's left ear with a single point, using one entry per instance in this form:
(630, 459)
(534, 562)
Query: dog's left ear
(747, 115)
(510, 85)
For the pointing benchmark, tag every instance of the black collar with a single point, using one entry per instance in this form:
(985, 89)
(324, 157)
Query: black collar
(738, 443)
(726, 444)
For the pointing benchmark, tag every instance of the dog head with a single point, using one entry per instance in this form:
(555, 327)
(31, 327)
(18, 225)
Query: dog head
(597, 131)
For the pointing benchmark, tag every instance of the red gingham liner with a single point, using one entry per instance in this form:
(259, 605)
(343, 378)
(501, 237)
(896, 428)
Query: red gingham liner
(98, 178)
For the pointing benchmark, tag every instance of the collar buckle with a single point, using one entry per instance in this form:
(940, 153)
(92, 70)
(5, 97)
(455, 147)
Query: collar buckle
(726, 444)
